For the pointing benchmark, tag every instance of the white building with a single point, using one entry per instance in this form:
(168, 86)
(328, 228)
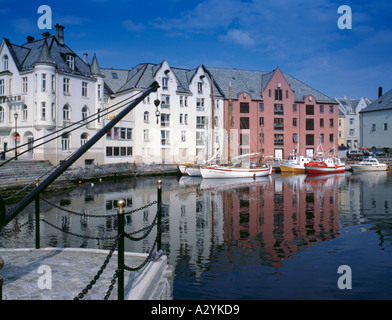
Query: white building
(350, 108)
(45, 86)
(376, 123)
(180, 129)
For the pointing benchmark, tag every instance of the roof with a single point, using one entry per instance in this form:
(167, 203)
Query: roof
(255, 82)
(48, 50)
(382, 103)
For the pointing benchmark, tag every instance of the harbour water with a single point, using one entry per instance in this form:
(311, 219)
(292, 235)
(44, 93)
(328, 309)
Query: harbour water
(276, 237)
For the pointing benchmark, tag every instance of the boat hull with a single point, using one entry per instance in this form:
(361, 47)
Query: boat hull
(324, 169)
(193, 171)
(292, 168)
(362, 168)
(228, 172)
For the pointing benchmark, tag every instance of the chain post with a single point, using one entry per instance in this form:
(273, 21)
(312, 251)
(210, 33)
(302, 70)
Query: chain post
(37, 226)
(121, 221)
(159, 199)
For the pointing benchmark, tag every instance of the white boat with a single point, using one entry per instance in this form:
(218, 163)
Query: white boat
(218, 172)
(369, 164)
(295, 164)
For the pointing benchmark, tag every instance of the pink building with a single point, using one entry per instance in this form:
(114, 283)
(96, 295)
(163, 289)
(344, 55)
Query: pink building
(275, 112)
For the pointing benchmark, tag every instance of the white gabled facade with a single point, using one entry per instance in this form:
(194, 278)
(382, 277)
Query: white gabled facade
(48, 87)
(180, 128)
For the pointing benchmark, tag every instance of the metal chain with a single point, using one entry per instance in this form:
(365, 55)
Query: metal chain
(100, 271)
(112, 283)
(15, 229)
(141, 208)
(78, 235)
(78, 213)
(148, 228)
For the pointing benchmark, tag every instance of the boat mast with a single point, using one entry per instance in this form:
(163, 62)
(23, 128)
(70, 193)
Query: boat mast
(230, 106)
(212, 115)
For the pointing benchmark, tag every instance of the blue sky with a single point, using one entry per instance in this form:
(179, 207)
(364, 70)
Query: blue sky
(301, 37)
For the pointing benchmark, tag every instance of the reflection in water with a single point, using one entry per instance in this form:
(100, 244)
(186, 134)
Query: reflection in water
(216, 228)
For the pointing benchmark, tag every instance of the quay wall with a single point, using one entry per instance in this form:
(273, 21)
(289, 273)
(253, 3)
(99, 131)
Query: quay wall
(16, 175)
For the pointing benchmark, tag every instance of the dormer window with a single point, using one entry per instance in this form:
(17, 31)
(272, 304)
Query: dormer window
(70, 62)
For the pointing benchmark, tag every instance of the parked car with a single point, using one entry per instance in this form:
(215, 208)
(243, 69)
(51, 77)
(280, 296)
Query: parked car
(380, 154)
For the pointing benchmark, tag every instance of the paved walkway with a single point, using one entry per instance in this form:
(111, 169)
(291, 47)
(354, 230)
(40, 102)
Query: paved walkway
(71, 270)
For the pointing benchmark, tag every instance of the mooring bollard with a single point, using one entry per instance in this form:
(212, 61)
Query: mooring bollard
(120, 252)
(37, 226)
(159, 199)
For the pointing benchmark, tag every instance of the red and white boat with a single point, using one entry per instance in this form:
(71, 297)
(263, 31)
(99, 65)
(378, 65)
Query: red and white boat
(325, 164)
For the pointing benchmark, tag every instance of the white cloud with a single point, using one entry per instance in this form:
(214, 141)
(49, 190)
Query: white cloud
(133, 26)
(240, 37)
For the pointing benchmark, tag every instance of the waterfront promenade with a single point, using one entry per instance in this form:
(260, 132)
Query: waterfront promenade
(27, 274)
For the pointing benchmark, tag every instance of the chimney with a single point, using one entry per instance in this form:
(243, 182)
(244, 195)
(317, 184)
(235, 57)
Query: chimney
(379, 92)
(30, 39)
(46, 35)
(85, 57)
(60, 33)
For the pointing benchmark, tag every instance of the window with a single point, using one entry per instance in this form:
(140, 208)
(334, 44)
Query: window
(165, 120)
(146, 117)
(145, 135)
(24, 85)
(53, 83)
(294, 108)
(261, 107)
(244, 139)
(331, 138)
(200, 122)
(183, 136)
(186, 118)
(1, 114)
(99, 92)
(99, 115)
(278, 109)
(83, 138)
(123, 133)
(165, 137)
(244, 123)
(321, 123)
(2, 88)
(165, 101)
(351, 120)
(309, 110)
(200, 87)
(43, 110)
(278, 124)
(331, 109)
(84, 89)
(66, 112)
(321, 108)
(309, 124)
(261, 121)
(269, 93)
(321, 137)
(351, 132)
(65, 142)
(53, 112)
(200, 138)
(295, 138)
(70, 62)
(84, 113)
(66, 90)
(114, 75)
(310, 139)
(287, 94)
(294, 122)
(385, 126)
(244, 107)
(165, 82)
(181, 118)
(5, 62)
(200, 104)
(129, 134)
(24, 113)
(278, 95)
(43, 78)
(331, 123)
(278, 139)
(373, 127)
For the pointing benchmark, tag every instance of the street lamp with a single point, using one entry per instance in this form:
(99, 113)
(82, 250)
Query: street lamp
(16, 135)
